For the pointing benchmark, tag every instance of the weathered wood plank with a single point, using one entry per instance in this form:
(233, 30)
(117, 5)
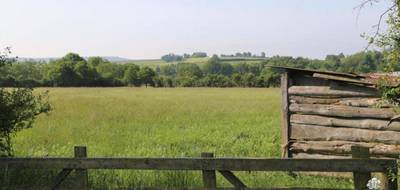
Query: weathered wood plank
(344, 148)
(342, 111)
(285, 115)
(342, 78)
(81, 174)
(360, 178)
(231, 164)
(209, 176)
(339, 91)
(312, 100)
(235, 181)
(302, 155)
(321, 133)
(376, 124)
(60, 178)
(356, 102)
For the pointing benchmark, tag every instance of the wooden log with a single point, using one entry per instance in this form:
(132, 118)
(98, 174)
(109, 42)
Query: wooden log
(344, 148)
(302, 155)
(376, 124)
(321, 133)
(209, 176)
(285, 115)
(356, 102)
(365, 102)
(231, 164)
(81, 174)
(342, 111)
(360, 178)
(340, 91)
(312, 100)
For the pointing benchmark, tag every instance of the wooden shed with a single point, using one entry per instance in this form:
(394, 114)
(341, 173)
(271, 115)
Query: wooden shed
(325, 113)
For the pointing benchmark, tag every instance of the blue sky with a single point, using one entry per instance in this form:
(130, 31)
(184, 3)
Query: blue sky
(142, 29)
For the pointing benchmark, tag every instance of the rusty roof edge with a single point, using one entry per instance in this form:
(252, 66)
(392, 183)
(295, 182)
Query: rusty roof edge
(353, 75)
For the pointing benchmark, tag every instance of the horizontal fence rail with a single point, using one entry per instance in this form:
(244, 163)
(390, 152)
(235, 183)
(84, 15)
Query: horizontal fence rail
(360, 165)
(232, 164)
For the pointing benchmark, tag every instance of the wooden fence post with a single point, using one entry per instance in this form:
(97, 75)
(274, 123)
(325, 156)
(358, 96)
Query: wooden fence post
(360, 178)
(209, 176)
(81, 174)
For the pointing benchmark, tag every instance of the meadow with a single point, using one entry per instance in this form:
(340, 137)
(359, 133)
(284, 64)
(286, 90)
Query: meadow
(164, 122)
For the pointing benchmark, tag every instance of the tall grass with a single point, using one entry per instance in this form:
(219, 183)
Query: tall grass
(163, 122)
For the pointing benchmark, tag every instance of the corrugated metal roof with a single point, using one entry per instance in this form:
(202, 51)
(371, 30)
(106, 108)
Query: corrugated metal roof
(371, 79)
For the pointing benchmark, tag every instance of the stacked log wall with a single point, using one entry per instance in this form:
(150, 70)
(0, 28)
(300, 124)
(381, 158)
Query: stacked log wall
(326, 117)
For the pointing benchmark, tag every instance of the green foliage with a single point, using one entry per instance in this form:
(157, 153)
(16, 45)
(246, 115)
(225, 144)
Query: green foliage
(131, 76)
(73, 70)
(171, 57)
(389, 41)
(146, 75)
(18, 109)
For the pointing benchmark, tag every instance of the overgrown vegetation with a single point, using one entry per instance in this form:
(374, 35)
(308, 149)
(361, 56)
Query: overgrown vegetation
(73, 70)
(18, 109)
(389, 41)
(168, 122)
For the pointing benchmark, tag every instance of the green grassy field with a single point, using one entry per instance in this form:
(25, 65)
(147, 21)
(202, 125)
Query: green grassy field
(164, 122)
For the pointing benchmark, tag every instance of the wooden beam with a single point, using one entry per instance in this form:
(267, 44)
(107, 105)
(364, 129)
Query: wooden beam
(360, 178)
(321, 133)
(209, 176)
(60, 178)
(235, 181)
(231, 164)
(342, 111)
(285, 115)
(362, 123)
(339, 91)
(81, 173)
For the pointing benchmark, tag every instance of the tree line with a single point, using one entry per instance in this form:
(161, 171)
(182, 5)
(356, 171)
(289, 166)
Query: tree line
(73, 70)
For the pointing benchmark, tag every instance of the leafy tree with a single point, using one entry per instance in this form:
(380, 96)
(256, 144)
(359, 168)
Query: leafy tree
(199, 54)
(189, 70)
(226, 69)
(131, 76)
(96, 61)
(171, 57)
(146, 75)
(213, 65)
(87, 74)
(18, 109)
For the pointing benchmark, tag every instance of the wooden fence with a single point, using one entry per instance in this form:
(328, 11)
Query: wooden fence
(360, 165)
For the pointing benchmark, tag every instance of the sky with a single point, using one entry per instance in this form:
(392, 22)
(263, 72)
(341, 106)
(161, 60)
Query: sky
(148, 29)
